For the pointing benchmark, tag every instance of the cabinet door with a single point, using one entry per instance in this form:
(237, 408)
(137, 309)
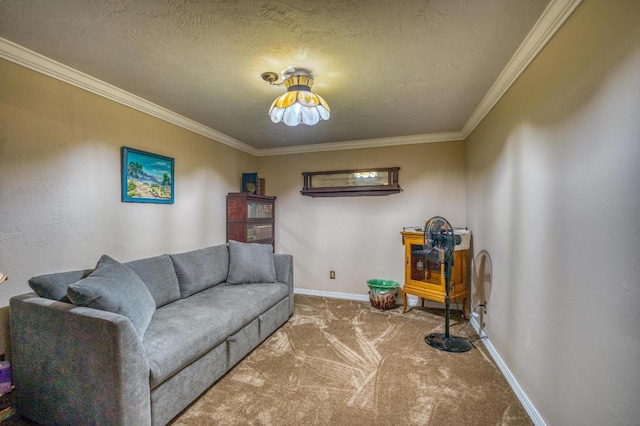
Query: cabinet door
(259, 210)
(250, 218)
(259, 231)
(421, 268)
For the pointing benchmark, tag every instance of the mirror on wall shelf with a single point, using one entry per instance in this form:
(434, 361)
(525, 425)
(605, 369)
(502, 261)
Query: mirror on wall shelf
(350, 183)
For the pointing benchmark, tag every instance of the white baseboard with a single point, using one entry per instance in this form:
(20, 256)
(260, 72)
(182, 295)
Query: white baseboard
(413, 301)
(522, 396)
(331, 294)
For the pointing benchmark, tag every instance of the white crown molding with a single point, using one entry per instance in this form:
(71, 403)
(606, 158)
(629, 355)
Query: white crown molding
(365, 143)
(551, 20)
(37, 62)
(556, 13)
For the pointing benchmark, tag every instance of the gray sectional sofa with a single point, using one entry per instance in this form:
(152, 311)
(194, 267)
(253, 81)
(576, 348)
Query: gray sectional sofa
(136, 343)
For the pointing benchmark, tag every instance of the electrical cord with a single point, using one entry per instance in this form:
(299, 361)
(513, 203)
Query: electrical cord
(459, 315)
(467, 323)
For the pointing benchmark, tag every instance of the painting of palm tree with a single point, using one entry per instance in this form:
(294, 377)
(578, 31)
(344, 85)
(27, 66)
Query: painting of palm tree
(146, 177)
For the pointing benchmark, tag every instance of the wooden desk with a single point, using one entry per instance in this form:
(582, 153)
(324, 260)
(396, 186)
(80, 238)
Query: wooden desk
(425, 279)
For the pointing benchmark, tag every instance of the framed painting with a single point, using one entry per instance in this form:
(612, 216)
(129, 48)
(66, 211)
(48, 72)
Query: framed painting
(146, 177)
(250, 183)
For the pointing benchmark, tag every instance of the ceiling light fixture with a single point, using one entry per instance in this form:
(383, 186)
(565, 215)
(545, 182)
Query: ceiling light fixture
(299, 104)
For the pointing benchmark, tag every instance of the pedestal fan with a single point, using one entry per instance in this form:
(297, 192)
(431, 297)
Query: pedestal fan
(439, 244)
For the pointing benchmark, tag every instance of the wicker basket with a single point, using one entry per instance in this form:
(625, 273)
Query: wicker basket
(382, 294)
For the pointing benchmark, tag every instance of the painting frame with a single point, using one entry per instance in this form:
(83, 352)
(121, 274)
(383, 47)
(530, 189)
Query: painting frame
(140, 185)
(250, 183)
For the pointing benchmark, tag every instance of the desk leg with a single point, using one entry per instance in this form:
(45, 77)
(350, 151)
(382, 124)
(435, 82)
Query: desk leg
(464, 308)
(404, 301)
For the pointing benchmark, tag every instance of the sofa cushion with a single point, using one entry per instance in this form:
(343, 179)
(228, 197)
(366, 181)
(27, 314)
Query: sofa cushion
(250, 263)
(114, 287)
(200, 269)
(159, 276)
(183, 331)
(54, 286)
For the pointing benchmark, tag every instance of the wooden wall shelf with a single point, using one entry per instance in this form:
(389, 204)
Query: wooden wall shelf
(351, 183)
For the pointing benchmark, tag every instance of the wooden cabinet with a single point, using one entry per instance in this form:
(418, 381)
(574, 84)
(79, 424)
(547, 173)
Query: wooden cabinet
(250, 218)
(425, 279)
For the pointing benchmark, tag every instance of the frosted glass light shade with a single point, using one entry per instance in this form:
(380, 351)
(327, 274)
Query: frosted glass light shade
(299, 104)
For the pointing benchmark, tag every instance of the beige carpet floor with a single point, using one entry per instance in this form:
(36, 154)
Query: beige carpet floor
(341, 362)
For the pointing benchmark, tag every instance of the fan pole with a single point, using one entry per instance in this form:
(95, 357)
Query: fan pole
(447, 298)
(438, 232)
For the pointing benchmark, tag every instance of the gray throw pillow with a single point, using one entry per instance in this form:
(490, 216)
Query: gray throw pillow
(114, 287)
(250, 263)
(54, 286)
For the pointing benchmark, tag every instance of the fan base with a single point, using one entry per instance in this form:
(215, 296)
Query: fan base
(447, 344)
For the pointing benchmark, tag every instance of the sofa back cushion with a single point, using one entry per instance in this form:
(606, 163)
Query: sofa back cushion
(54, 286)
(200, 269)
(114, 287)
(159, 276)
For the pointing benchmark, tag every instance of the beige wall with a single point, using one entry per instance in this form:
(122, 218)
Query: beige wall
(553, 190)
(60, 192)
(359, 237)
(550, 188)
(60, 205)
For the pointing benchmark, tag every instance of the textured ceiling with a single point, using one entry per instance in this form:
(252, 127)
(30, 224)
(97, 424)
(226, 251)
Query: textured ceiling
(386, 68)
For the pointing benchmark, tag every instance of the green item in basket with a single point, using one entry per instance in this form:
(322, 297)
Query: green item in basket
(382, 293)
(383, 284)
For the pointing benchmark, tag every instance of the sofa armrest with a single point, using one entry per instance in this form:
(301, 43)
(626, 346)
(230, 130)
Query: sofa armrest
(76, 365)
(284, 274)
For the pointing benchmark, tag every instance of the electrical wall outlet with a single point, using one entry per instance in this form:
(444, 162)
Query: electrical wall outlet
(332, 275)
